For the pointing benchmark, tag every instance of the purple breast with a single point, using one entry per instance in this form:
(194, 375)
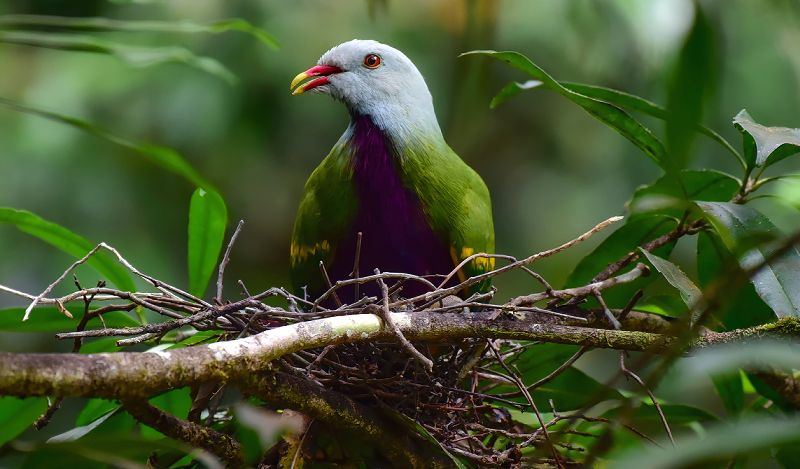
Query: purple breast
(396, 235)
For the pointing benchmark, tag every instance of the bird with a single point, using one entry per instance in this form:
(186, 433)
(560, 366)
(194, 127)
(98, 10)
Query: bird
(391, 194)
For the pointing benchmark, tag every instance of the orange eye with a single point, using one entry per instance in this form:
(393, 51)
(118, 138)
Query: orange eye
(372, 60)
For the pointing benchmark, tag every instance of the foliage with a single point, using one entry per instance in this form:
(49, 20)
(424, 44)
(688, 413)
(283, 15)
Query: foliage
(734, 241)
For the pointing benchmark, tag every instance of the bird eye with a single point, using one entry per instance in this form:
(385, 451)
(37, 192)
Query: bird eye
(372, 60)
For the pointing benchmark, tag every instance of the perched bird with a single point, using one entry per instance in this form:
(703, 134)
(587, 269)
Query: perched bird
(391, 177)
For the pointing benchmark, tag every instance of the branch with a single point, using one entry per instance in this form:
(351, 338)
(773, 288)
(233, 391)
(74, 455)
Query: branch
(139, 375)
(219, 444)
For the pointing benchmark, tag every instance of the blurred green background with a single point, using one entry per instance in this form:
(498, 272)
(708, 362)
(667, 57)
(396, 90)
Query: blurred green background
(552, 169)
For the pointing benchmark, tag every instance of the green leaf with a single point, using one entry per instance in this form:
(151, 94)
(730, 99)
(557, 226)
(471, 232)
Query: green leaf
(727, 359)
(197, 338)
(664, 305)
(539, 360)
(135, 56)
(17, 415)
(692, 82)
(607, 113)
(167, 158)
(720, 442)
(80, 432)
(769, 392)
(108, 24)
(673, 274)
(765, 145)
(104, 449)
(624, 240)
(512, 89)
(635, 103)
(207, 219)
(69, 242)
(176, 402)
(49, 319)
(569, 390)
(666, 196)
(94, 409)
(645, 417)
(789, 456)
(617, 98)
(730, 390)
(101, 344)
(744, 308)
(778, 282)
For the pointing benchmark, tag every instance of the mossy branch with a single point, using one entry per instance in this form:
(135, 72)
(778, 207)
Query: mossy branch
(142, 374)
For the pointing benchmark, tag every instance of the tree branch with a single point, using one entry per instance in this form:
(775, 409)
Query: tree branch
(219, 444)
(140, 375)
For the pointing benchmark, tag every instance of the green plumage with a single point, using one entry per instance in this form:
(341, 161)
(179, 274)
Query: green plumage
(453, 198)
(391, 177)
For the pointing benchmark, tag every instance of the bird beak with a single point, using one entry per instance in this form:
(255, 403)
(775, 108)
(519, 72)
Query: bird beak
(320, 71)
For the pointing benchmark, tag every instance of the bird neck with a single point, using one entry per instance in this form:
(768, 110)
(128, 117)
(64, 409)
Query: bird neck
(404, 124)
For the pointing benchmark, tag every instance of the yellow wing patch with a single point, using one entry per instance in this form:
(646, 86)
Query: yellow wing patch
(483, 264)
(300, 252)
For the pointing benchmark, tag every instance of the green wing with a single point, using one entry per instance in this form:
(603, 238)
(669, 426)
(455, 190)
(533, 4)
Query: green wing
(457, 204)
(326, 209)
(454, 198)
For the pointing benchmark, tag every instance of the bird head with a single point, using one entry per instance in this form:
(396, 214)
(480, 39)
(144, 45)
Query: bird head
(372, 79)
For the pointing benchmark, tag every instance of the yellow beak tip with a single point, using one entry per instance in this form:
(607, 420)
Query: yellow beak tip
(296, 81)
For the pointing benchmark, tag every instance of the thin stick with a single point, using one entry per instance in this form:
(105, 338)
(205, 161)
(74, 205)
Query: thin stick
(386, 315)
(356, 262)
(58, 280)
(300, 444)
(327, 279)
(225, 259)
(639, 380)
(560, 369)
(45, 418)
(609, 315)
(521, 385)
(372, 278)
(442, 292)
(639, 271)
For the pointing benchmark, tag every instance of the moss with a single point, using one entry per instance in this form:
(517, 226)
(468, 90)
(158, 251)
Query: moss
(784, 326)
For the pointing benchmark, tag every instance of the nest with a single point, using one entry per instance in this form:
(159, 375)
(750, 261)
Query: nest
(467, 395)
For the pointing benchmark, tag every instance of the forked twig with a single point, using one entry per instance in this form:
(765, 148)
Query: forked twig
(225, 259)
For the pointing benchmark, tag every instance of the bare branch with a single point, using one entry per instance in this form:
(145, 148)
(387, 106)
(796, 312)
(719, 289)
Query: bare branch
(225, 259)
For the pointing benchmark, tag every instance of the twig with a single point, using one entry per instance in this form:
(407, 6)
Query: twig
(639, 380)
(225, 259)
(609, 315)
(442, 292)
(371, 278)
(45, 418)
(58, 280)
(638, 271)
(521, 385)
(386, 315)
(356, 262)
(328, 285)
(560, 369)
(300, 444)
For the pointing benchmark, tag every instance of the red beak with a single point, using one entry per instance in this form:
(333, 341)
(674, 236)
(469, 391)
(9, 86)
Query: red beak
(320, 71)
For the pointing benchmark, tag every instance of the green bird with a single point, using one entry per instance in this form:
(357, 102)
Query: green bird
(391, 177)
